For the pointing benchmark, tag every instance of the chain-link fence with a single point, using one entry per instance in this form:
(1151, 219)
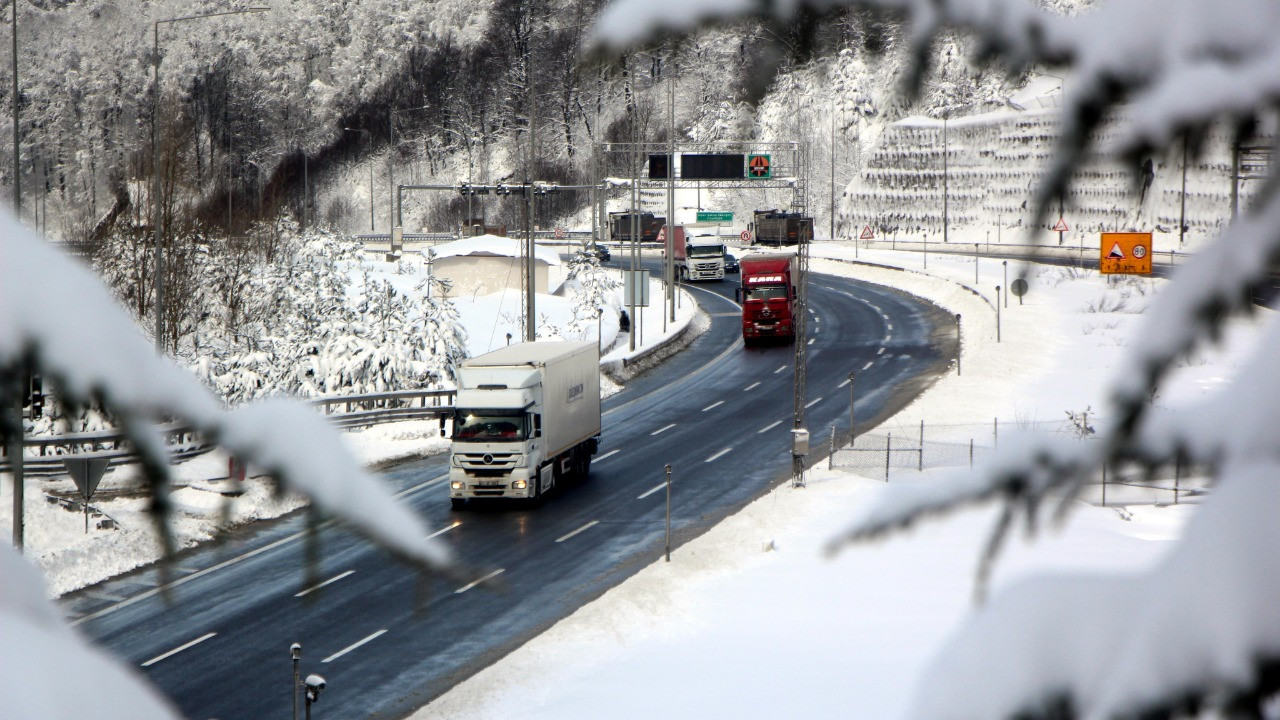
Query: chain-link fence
(900, 450)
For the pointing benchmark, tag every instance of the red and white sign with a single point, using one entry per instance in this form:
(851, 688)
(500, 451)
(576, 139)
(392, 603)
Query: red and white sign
(1061, 226)
(762, 279)
(662, 234)
(866, 233)
(559, 233)
(745, 235)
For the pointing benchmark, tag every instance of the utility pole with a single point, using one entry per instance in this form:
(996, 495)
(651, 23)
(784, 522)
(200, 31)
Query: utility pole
(832, 231)
(1182, 217)
(531, 319)
(668, 265)
(945, 194)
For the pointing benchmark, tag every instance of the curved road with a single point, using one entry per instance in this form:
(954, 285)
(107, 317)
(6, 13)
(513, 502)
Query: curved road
(216, 640)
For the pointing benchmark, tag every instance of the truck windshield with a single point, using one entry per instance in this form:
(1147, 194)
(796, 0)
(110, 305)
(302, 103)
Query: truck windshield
(706, 251)
(489, 424)
(767, 292)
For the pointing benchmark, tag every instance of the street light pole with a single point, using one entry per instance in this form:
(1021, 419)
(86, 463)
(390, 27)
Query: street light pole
(155, 151)
(368, 149)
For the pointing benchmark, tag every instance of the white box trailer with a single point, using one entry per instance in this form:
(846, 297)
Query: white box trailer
(525, 417)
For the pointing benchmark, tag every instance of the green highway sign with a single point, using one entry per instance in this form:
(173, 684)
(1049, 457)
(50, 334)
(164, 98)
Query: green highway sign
(714, 216)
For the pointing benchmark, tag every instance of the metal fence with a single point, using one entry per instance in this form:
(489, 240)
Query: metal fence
(903, 450)
(43, 455)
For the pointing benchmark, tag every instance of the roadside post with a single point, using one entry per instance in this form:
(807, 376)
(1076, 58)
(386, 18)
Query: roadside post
(668, 469)
(997, 313)
(853, 427)
(1006, 280)
(86, 473)
(295, 652)
(959, 345)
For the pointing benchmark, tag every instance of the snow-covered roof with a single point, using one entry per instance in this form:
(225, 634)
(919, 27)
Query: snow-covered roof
(493, 246)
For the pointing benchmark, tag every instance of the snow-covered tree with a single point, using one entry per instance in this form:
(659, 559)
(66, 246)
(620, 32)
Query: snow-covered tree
(1198, 634)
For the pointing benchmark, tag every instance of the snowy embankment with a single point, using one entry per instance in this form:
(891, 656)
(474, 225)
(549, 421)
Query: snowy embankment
(206, 502)
(750, 620)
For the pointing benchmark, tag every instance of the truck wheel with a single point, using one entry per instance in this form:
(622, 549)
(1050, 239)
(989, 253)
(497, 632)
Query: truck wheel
(457, 503)
(584, 469)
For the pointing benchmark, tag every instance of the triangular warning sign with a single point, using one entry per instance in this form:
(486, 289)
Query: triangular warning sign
(1116, 253)
(866, 233)
(1061, 226)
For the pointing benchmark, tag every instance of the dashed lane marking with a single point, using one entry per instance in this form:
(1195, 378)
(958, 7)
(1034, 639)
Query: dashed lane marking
(588, 526)
(338, 577)
(178, 649)
(650, 491)
(474, 583)
(443, 530)
(355, 645)
(609, 454)
(662, 429)
(715, 404)
(752, 386)
(769, 427)
(718, 455)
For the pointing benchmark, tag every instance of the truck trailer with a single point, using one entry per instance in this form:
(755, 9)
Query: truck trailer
(649, 226)
(527, 417)
(768, 297)
(776, 228)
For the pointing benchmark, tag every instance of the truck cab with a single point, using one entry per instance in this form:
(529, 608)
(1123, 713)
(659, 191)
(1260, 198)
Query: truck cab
(704, 258)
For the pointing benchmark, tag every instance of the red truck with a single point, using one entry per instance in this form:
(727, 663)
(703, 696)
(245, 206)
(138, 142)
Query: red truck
(768, 297)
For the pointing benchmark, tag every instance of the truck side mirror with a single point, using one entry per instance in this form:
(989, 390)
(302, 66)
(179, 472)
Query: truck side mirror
(794, 293)
(737, 294)
(442, 426)
(537, 425)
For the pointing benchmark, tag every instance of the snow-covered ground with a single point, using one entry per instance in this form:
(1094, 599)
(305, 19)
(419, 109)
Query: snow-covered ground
(72, 558)
(752, 620)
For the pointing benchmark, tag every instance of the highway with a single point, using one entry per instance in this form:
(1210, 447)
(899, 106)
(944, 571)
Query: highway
(387, 642)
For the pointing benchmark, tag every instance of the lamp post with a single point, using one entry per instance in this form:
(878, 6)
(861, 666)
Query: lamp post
(155, 153)
(368, 148)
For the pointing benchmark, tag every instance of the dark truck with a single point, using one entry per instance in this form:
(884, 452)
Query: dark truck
(777, 228)
(620, 226)
(768, 298)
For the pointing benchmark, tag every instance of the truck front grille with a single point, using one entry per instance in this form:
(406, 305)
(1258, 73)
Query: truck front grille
(488, 461)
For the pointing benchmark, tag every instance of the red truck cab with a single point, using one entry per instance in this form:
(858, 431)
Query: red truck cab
(768, 297)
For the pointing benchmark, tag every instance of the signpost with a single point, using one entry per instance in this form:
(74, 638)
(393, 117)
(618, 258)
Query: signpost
(636, 290)
(1060, 228)
(746, 236)
(1125, 253)
(759, 167)
(715, 216)
(86, 473)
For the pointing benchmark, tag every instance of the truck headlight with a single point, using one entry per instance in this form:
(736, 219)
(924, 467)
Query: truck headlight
(519, 485)
(456, 485)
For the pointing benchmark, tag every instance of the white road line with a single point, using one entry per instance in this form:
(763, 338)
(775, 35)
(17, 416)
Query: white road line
(752, 386)
(867, 366)
(662, 429)
(715, 404)
(178, 649)
(784, 367)
(886, 317)
(349, 648)
(335, 578)
(888, 326)
(769, 427)
(846, 382)
(880, 351)
(470, 585)
(813, 402)
(886, 338)
(651, 491)
(718, 455)
(104, 596)
(810, 341)
(609, 454)
(443, 530)
(588, 526)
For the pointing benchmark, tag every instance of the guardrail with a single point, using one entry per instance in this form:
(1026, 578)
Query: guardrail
(345, 411)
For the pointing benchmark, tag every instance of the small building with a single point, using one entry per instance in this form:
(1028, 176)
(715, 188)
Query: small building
(488, 264)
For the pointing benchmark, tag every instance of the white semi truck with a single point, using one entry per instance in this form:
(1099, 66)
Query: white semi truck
(526, 417)
(703, 258)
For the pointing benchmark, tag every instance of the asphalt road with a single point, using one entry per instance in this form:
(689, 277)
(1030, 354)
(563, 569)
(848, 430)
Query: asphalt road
(216, 641)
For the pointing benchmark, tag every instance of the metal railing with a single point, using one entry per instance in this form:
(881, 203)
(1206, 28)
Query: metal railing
(345, 411)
